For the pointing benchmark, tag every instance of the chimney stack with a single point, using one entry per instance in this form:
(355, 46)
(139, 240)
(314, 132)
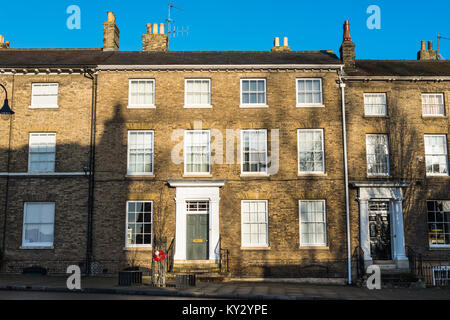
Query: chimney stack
(278, 48)
(3, 44)
(110, 34)
(427, 54)
(154, 41)
(347, 50)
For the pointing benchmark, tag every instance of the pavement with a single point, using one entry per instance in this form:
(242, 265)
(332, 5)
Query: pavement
(224, 290)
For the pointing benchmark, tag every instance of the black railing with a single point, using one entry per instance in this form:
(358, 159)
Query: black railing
(171, 256)
(224, 263)
(358, 261)
(433, 272)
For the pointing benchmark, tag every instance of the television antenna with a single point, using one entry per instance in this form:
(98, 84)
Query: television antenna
(440, 57)
(173, 31)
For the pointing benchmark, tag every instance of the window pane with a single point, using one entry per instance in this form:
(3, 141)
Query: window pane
(38, 224)
(312, 222)
(197, 155)
(254, 223)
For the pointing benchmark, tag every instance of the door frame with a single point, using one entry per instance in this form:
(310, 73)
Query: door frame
(206, 190)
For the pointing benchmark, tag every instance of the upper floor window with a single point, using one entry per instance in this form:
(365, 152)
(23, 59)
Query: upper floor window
(311, 157)
(198, 93)
(309, 92)
(433, 104)
(439, 223)
(375, 104)
(377, 154)
(436, 155)
(255, 223)
(140, 152)
(38, 224)
(141, 93)
(42, 149)
(254, 151)
(139, 223)
(313, 223)
(197, 152)
(253, 92)
(44, 95)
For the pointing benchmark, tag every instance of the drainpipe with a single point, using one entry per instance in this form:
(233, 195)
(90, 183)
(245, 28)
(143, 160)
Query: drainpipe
(89, 254)
(347, 210)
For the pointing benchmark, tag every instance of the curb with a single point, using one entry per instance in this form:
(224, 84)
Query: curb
(159, 293)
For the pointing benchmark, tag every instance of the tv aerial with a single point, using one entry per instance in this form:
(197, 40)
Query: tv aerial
(440, 57)
(173, 30)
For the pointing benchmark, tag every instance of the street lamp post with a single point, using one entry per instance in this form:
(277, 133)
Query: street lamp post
(6, 113)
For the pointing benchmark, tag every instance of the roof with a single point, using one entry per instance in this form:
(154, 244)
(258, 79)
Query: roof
(400, 68)
(93, 57)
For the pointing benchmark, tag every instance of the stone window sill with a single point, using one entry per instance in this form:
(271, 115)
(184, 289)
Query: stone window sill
(138, 248)
(44, 108)
(310, 106)
(253, 106)
(299, 174)
(140, 176)
(198, 107)
(314, 248)
(197, 176)
(36, 248)
(256, 248)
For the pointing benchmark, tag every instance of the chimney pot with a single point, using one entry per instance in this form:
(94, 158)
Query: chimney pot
(161, 28)
(423, 45)
(285, 42)
(155, 28)
(111, 17)
(430, 45)
(149, 28)
(347, 35)
(2, 39)
(276, 42)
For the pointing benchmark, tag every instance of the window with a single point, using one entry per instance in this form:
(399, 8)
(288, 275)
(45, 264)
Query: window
(312, 223)
(198, 93)
(436, 155)
(140, 152)
(311, 158)
(42, 152)
(309, 92)
(44, 95)
(197, 153)
(38, 224)
(377, 153)
(142, 93)
(433, 104)
(254, 151)
(253, 92)
(139, 223)
(375, 104)
(255, 223)
(439, 223)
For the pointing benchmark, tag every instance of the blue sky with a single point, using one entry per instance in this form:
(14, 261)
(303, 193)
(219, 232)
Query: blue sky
(235, 25)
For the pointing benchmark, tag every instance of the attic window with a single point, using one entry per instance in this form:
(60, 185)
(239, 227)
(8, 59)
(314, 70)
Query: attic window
(44, 95)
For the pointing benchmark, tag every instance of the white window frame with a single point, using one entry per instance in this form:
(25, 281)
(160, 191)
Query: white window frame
(385, 174)
(254, 105)
(185, 153)
(325, 244)
(446, 155)
(127, 245)
(298, 151)
(300, 105)
(242, 152)
(36, 134)
(141, 106)
(366, 95)
(129, 173)
(197, 105)
(431, 114)
(434, 246)
(258, 245)
(33, 102)
(37, 244)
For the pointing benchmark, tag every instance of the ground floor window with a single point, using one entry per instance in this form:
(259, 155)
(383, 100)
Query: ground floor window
(255, 223)
(312, 223)
(139, 223)
(38, 224)
(439, 223)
